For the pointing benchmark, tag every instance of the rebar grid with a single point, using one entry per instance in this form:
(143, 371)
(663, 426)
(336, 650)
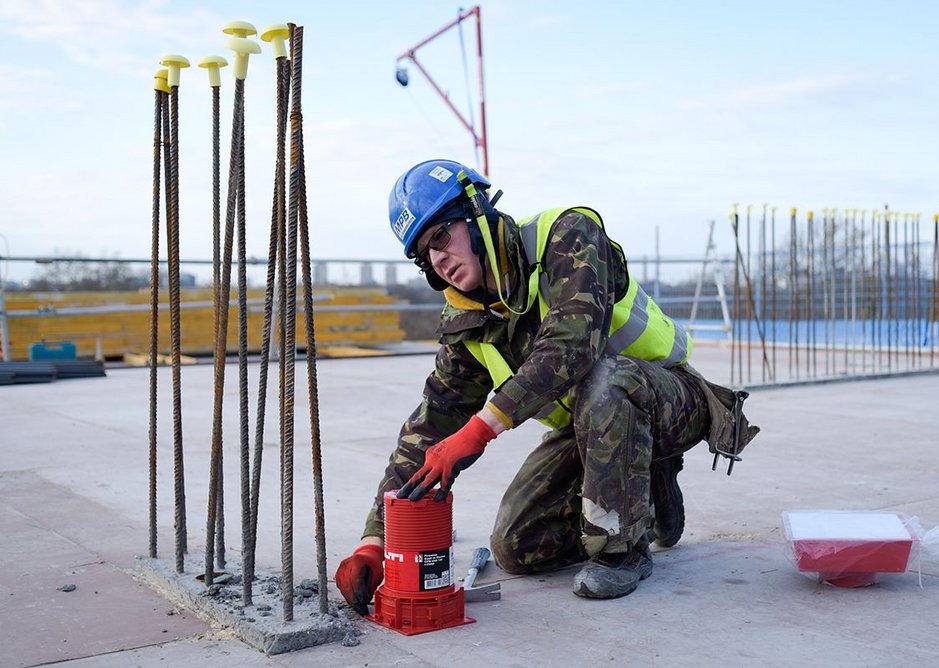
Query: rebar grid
(859, 297)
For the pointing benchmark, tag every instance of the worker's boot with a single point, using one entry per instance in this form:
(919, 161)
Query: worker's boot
(667, 500)
(611, 575)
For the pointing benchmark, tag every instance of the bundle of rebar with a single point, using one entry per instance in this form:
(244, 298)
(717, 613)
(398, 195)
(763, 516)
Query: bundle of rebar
(289, 243)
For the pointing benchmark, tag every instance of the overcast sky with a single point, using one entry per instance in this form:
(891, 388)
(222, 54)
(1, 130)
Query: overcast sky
(654, 113)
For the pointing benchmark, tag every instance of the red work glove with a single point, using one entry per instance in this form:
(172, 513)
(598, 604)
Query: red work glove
(358, 576)
(444, 461)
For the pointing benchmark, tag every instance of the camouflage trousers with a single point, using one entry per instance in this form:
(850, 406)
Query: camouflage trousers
(585, 488)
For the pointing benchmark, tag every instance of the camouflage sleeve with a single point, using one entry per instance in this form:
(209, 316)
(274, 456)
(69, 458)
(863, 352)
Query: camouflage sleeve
(582, 270)
(453, 393)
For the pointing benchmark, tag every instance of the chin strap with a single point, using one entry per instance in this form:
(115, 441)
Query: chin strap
(482, 222)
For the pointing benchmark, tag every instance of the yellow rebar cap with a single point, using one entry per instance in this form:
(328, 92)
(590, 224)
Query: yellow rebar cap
(239, 29)
(213, 64)
(174, 63)
(276, 34)
(243, 48)
(159, 81)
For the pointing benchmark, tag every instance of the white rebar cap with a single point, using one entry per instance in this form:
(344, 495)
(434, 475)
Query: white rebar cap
(159, 81)
(243, 48)
(239, 29)
(276, 34)
(213, 64)
(174, 62)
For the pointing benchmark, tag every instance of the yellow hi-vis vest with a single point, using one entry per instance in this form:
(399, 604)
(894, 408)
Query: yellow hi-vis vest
(638, 327)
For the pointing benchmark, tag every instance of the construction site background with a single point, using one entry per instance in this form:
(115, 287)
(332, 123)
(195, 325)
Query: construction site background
(112, 324)
(103, 308)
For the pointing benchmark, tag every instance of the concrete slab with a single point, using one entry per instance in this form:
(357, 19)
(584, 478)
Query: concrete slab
(725, 595)
(260, 624)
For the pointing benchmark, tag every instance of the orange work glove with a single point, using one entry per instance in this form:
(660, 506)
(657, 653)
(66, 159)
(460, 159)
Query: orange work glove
(444, 461)
(358, 576)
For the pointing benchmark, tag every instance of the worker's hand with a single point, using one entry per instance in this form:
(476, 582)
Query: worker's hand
(444, 461)
(358, 576)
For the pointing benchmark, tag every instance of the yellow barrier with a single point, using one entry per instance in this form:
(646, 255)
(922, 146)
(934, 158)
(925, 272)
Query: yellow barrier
(115, 334)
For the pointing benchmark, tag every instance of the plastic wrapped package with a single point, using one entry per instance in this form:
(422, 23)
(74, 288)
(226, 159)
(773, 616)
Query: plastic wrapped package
(926, 557)
(850, 548)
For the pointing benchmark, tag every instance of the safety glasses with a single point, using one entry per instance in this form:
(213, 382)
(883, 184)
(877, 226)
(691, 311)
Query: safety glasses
(438, 240)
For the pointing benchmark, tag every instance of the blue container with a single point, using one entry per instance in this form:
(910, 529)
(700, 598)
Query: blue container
(52, 350)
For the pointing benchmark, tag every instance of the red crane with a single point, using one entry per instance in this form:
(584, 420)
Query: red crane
(479, 140)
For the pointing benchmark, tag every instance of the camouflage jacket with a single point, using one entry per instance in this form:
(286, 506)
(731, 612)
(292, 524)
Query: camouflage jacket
(586, 276)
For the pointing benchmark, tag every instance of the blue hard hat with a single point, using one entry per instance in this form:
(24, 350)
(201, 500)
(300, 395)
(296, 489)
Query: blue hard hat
(423, 192)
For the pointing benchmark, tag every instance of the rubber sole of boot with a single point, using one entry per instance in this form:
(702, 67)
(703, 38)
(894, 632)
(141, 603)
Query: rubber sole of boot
(605, 582)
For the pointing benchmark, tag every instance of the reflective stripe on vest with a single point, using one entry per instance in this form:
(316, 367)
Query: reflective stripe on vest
(638, 327)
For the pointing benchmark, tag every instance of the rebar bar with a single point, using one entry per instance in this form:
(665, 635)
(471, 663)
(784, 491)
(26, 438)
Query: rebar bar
(290, 320)
(158, 105)
(315, 440)
(752, 313)
(793, 295)
(915, 269)
(762, 250)
(172, 230)
(862, 264)
(278, 213)
(773, 284)
(738, 325)
(934, 320)
(877, 288)
(234, 179)
(243, 350)
(844, 285)
(748, 296)
(216, 261)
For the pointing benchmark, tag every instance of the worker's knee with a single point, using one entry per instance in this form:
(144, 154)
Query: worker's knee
(507, 556)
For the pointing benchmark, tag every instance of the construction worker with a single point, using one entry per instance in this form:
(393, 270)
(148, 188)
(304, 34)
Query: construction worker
(545, 312)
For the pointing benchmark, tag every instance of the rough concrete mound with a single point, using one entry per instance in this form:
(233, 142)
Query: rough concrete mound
(261, 624)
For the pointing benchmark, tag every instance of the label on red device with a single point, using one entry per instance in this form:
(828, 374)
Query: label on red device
(434, 569)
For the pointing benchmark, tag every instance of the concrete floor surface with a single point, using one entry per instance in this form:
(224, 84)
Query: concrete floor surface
(73, 510)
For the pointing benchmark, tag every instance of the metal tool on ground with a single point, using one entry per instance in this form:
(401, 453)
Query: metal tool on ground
(487, 592)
